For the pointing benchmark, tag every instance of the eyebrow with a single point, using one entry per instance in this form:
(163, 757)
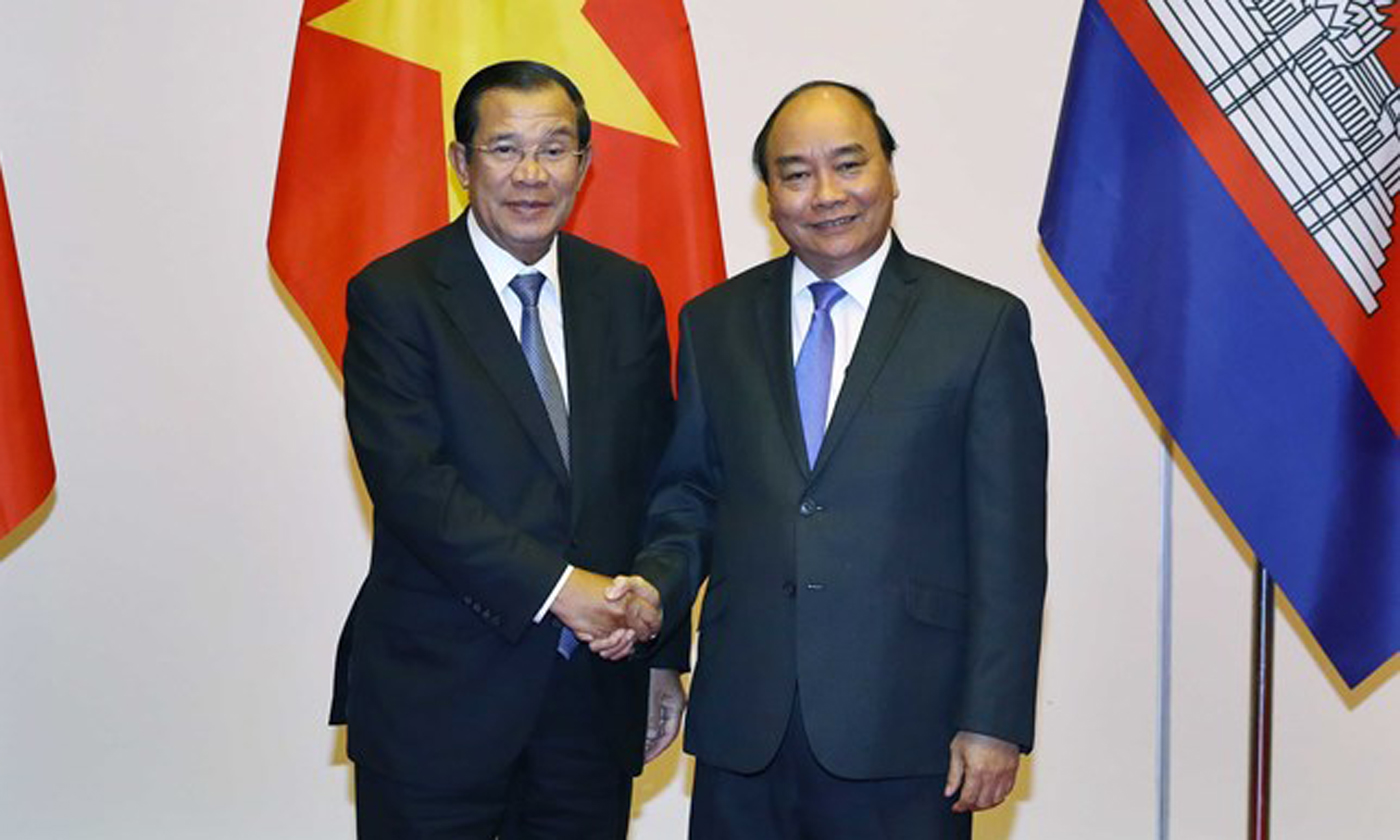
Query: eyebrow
(553, 134)
(848, 149)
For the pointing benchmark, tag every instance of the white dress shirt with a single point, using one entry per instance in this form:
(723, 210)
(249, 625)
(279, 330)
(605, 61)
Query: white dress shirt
(847, 313)
(501, 268)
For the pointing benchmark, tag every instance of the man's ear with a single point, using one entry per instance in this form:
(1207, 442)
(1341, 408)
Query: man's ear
(583, 164)
(457, 155)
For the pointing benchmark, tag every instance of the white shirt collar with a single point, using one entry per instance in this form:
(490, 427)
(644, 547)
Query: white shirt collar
(502, 266)
(858, 283)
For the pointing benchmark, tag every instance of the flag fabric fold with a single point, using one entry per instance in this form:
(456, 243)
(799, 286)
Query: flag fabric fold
(363, 167)
(1221, 202)
(26, 462)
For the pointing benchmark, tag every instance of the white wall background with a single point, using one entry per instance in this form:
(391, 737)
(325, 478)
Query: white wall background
(166, 635)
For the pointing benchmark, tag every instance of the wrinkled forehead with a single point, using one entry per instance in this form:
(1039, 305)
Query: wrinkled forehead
(545, 111)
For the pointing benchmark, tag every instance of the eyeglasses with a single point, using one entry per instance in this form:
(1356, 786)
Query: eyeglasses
(553, 155)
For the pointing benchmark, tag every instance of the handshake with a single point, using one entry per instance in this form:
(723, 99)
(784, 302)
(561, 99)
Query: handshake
(609, 614)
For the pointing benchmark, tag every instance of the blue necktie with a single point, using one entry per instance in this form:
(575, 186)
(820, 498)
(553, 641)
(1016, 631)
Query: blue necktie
(527, 287)
(813, 371)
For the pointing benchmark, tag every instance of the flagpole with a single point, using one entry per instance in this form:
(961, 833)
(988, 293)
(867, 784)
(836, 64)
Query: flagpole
(1261, 704)
(1164, 648)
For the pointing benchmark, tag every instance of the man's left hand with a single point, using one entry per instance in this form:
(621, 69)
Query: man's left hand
(664, 709)
(984, 767)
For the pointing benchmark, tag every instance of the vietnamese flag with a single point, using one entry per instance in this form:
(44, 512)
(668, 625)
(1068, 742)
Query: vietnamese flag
(369, 118)
(26, 464)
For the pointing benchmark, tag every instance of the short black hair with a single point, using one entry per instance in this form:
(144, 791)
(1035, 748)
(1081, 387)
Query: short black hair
(514, 75)
(760, 144)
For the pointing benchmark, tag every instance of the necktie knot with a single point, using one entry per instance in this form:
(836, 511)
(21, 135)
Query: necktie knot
(526, 286)
(825, 293)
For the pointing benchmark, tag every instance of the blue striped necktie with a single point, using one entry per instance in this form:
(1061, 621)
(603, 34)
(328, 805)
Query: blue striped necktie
(526, 286)
(813, 371)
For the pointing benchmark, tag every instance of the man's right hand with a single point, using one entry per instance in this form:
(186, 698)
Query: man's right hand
(641, 605)
(609, 614)
(584, 607)
(641, 602)
(982, 769)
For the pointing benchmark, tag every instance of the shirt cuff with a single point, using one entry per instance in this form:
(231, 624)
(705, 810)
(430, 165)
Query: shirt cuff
(554, 593)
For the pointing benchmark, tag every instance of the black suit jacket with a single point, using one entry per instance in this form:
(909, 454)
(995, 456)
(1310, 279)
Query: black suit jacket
(441, 669)
(898, 585)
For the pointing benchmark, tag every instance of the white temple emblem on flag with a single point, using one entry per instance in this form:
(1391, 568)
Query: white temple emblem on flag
(1302, 83)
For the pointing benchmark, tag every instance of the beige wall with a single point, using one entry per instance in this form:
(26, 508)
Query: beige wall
(166, 635)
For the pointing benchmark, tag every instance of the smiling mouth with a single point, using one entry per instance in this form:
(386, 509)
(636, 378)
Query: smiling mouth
(834, 224)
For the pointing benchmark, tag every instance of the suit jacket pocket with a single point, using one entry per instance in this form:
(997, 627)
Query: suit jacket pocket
(936, 606)
(420, 612)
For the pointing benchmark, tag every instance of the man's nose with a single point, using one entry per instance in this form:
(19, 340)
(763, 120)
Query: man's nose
(829, 190)
(529, 170)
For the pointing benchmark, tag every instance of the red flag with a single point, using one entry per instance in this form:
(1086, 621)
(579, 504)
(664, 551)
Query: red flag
(364, 167)
(26, 464)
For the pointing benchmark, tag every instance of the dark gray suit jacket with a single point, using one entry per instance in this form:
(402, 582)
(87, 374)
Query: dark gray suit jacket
(441, 670)
(898, 585)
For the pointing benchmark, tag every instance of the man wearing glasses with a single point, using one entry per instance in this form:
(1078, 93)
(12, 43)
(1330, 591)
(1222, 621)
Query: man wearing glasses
(508, 395)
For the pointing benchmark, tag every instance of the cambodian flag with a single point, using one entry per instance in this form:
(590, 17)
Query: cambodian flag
(1222, 201)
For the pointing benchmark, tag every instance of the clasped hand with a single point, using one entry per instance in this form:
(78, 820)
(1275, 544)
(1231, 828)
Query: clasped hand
(610, 614)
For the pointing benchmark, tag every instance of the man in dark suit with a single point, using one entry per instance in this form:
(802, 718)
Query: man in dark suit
(858, 469)
(508, 394)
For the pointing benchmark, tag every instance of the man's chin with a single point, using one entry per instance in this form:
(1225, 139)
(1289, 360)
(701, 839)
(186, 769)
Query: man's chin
(830, 261)
(528, 242)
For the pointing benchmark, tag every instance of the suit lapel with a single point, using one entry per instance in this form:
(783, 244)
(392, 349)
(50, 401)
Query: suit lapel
(474, 307)
(774, 323)
(893, 300)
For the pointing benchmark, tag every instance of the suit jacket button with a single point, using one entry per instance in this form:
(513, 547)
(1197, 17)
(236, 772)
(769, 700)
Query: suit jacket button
(789, 588)
(808, 507)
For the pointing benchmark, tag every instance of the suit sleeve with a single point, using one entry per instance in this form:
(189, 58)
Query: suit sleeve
(1005, 455)
(673, 651)
(397, 431)
(680, 517)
